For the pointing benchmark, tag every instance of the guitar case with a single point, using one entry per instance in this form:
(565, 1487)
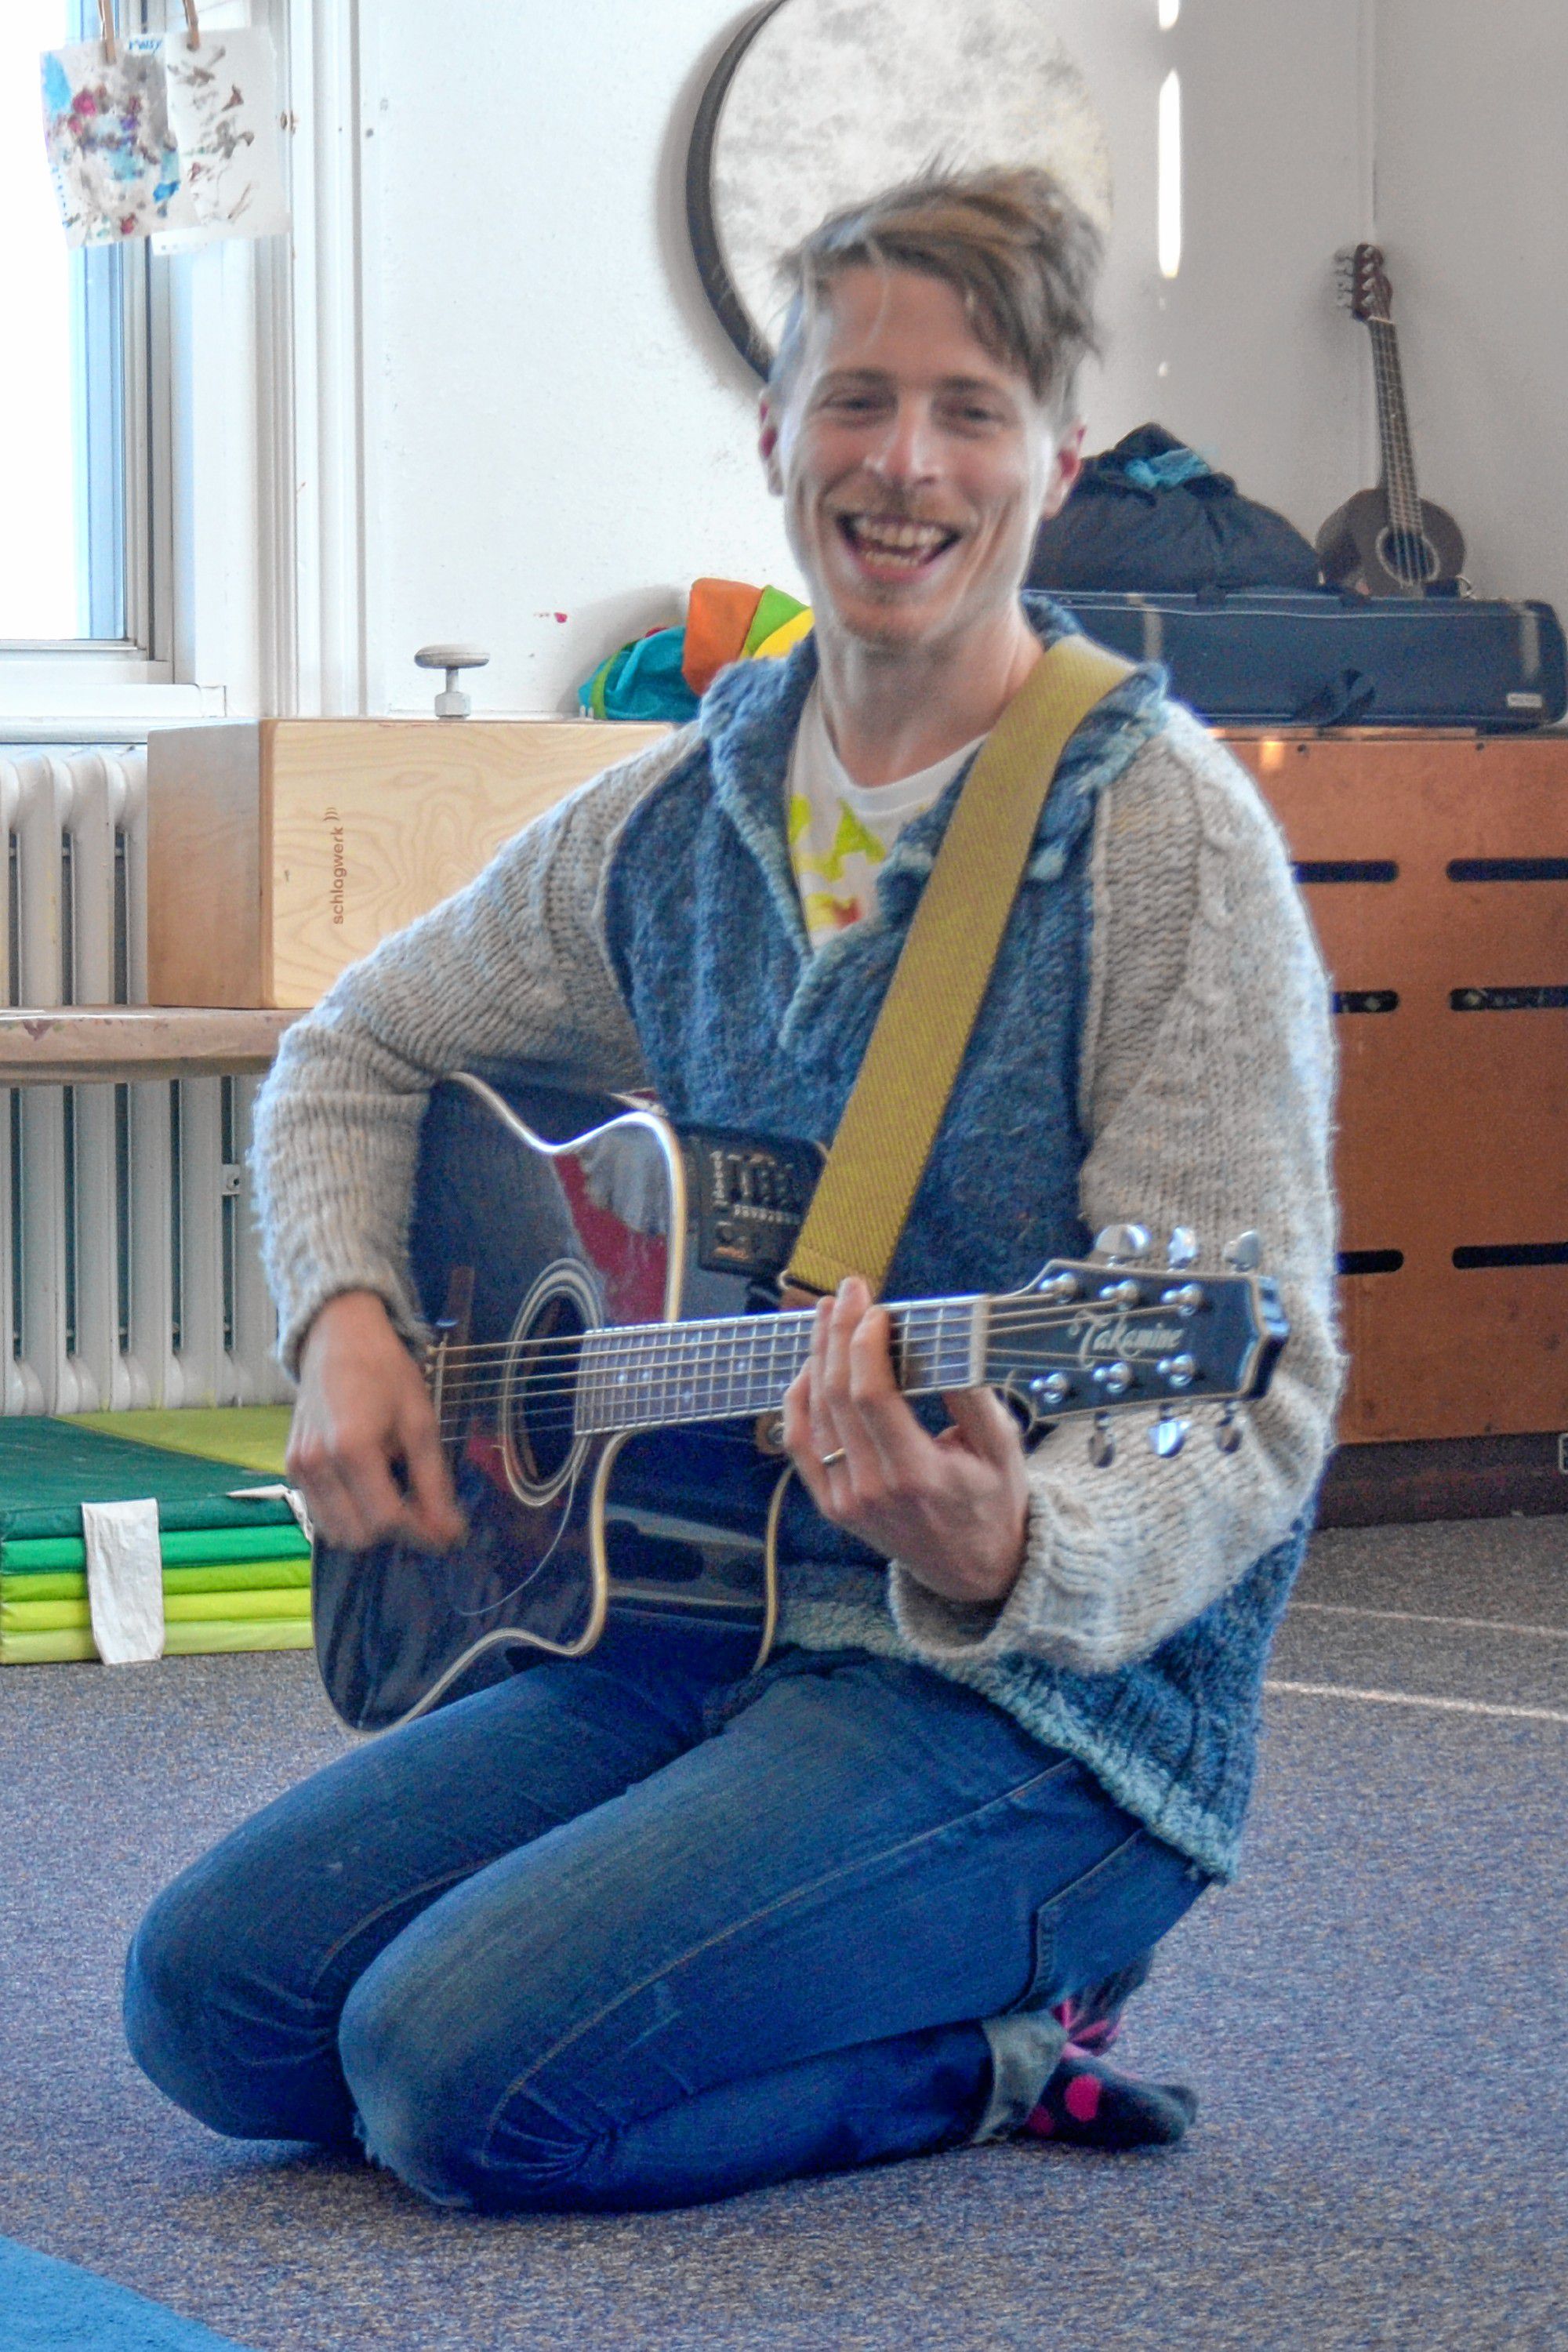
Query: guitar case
(1326, 659)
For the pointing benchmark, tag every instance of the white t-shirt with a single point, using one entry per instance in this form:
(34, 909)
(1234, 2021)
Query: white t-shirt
(839, 831)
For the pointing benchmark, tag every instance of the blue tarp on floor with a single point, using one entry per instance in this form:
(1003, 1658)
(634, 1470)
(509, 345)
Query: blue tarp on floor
(49, 2307)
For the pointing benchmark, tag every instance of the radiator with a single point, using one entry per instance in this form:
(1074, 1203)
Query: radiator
(129, 1268)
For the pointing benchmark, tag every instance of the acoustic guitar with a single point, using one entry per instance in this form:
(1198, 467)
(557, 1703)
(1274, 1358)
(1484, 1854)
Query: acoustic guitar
(608, 1366)
(1389, 542)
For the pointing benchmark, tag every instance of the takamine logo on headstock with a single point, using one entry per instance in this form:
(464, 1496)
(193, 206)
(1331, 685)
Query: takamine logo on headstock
(1113, 1332)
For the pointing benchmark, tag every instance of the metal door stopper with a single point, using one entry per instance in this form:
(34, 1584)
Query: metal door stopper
(451, 702)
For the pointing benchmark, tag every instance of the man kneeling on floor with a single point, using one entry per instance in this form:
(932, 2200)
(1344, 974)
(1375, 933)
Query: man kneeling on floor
(612, 1933)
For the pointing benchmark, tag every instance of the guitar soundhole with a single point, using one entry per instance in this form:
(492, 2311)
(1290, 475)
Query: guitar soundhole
(540, 1441)
(1408, 554)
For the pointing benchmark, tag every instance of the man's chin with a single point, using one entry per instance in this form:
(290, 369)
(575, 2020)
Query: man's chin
(896, 621)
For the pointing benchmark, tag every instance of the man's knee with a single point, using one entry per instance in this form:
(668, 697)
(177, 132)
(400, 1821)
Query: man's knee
(214, 2018)
(431, 2108)
(171, 1995)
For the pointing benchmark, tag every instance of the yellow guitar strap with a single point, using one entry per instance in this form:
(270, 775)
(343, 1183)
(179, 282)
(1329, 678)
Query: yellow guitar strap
(889, 1123)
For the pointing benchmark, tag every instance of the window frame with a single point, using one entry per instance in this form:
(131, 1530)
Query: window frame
(251, 552)
(112, 687)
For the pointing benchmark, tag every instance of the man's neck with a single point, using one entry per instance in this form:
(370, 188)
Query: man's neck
(890, 715)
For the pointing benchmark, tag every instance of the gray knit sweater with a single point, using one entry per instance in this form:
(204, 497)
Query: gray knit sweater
(1205, 1093)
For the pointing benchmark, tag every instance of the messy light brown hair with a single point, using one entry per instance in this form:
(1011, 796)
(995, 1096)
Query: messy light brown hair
(1022, 256)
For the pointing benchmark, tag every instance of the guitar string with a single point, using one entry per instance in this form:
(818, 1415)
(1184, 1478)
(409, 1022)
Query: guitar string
(537, 1411)
(460, 1411)
(763, 1381)
(1408, 543)
(1047, 1317)
(648, 1364)
(654, 1351)
(763, 1362)
(453, 1430)
(1395, 437)
(1394, 431)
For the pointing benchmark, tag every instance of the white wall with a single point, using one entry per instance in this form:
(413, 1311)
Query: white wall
(555, 425)
(1472, 214)
(1265, 368)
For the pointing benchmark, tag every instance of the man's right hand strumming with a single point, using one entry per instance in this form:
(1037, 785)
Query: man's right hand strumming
(365, 1450)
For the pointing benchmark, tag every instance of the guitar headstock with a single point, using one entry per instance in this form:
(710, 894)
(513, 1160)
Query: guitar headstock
(1363, 287)
(1103, 1334)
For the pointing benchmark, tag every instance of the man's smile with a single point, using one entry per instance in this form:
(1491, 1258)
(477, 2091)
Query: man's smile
(895, 547)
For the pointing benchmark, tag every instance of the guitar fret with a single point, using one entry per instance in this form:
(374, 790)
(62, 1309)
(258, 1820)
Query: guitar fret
(726, 1369)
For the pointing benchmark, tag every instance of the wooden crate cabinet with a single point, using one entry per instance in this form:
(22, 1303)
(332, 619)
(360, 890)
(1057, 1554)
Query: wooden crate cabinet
(280, 850)
(1436, 868)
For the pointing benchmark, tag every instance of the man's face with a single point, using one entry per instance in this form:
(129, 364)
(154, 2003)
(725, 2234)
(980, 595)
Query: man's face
(913, 465)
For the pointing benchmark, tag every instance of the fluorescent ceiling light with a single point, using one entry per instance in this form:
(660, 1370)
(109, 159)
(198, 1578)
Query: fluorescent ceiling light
(1170, 175)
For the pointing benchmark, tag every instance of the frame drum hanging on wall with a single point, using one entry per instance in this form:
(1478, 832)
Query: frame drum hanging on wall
(814, 104)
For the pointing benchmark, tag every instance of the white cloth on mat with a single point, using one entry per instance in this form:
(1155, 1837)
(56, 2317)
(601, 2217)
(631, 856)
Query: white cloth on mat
(290, 1494)
(124, 1580)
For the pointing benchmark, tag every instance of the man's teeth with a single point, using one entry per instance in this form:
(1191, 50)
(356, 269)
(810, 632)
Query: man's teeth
(911, 542)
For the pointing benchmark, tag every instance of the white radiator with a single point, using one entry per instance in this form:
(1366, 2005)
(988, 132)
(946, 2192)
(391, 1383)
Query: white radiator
(129, 1269)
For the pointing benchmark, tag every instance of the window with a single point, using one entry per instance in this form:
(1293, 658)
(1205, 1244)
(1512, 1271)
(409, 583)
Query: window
(74, 441)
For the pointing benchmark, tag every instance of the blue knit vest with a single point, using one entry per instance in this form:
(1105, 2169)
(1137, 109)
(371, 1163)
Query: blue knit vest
(743, 1025)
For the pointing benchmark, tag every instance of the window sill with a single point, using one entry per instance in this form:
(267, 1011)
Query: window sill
(91, 697)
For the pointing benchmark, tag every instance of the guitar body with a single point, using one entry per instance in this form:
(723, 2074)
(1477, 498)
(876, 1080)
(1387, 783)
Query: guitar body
(608, 1364)
(564, 1230)
(1360, 548)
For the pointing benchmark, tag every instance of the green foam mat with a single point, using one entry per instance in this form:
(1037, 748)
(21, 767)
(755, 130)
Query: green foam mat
(70, 1646)
(255, 1435)
(179, 1609)
(49, 1468)
(29, 1555)
(263, 1575)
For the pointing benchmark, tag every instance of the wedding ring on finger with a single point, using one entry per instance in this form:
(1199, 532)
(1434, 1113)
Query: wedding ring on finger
(831, 1460)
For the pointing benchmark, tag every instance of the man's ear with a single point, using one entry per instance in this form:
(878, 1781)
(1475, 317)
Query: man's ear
(768, 444)
(1065, 468)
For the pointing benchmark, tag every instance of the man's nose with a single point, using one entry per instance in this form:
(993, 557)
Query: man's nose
(907, 451)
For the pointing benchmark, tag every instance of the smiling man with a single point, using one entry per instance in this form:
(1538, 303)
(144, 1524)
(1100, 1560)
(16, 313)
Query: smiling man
(623, 1932)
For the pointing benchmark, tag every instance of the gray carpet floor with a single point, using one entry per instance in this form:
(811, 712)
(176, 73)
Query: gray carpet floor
(1373, 2017)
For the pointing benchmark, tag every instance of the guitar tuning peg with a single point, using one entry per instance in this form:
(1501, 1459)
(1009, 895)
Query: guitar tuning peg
(1115, 1242)
(1228, 1435)
(1167, 1435)
(1102, 1443)
(1244, 1254)
(1181, 1250)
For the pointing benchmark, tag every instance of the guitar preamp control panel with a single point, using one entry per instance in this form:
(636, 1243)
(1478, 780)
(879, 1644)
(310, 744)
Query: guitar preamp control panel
(748, 1199)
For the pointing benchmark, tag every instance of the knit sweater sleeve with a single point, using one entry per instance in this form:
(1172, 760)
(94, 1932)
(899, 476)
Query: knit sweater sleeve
(512, 966)
(1207, 1093)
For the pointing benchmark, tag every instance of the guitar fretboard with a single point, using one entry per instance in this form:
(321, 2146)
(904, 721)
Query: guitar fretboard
(660, 1374)
(1394, 431)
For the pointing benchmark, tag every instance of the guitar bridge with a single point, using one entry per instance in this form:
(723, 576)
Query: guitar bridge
(445, 1361)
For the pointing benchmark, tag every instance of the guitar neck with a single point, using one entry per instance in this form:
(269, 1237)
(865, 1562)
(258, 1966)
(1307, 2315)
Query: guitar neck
(661, 1375)
(1394, 430)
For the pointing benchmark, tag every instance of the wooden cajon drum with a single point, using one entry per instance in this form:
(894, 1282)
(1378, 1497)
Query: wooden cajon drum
(280, 850)
(1436, 868)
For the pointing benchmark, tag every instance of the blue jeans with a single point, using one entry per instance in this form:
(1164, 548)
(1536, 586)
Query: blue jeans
(617, 1933)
